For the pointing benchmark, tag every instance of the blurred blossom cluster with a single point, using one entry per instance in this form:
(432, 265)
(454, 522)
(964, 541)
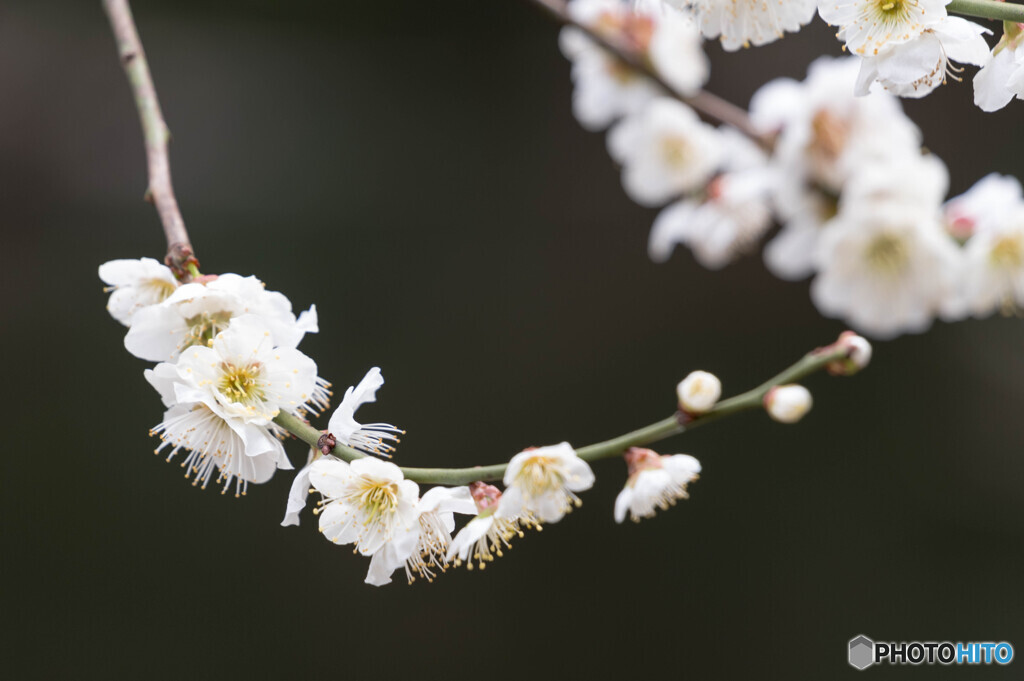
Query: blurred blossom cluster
(832, 160)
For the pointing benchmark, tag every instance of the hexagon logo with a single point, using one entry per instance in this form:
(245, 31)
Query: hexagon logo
(862, 652)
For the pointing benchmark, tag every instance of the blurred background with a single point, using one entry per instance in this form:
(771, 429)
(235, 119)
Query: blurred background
(415, 171)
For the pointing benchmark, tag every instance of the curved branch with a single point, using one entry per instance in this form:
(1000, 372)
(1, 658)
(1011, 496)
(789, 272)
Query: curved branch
(673, 425)
(988, 9)
(709, 105)
(180, 257)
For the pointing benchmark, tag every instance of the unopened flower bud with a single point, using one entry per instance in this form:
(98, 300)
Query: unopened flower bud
(698, 392)
(858, 354)
(788, 403)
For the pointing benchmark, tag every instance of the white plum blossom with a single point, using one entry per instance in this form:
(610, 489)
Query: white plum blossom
(244, 376)
(196, 312)
(665, 151)
(135, 284)
(887, 268)
(542, 482)
(986, 204)
(788, 403)
(214, 446)
(368, 503)
(605, 87)
(741, 23)
(730, 222)
(698, 392)
(655, 482)
(221, 401)
(486, 535)
(993, 273)
(916, 68)
(482, 540)
(1002, 78)
(885, 262)
(239, 453)
(370, 437)
(436, 509)
(868, 26)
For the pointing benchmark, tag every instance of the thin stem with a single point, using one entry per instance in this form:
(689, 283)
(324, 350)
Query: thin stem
(673, 425)
(988, 9)
(154, 129)
(707, 104)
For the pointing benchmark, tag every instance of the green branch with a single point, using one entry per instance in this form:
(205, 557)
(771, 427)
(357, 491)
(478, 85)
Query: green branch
(673, 425)
(988, 9)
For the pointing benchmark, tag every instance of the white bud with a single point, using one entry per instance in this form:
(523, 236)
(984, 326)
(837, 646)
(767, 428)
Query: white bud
(698, 392)
(858, 354)
(788, 403)
(860, 351)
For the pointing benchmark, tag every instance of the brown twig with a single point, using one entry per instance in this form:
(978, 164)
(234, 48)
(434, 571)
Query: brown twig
(180, 257)
(707, 104)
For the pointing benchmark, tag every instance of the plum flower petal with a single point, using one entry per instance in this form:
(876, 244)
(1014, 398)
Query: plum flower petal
(542, 483)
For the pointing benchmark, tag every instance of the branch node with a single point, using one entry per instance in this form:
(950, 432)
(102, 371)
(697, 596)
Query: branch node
(326, 443)
(179, 258)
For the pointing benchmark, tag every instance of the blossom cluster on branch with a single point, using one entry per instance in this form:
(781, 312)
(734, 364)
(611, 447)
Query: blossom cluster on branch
(228, 369)
(833, 159)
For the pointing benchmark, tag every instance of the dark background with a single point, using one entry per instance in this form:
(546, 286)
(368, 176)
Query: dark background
(414, 170)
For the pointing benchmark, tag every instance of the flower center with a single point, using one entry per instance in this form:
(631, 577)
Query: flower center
(376, 498)
(241, 384)
(1008, 251)
(887, 253)
(161, 289)
(674, 151)
(828, 134)
(429, 556)
(621, 72)
(204, 327)
(541, 474)
(894, 11)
